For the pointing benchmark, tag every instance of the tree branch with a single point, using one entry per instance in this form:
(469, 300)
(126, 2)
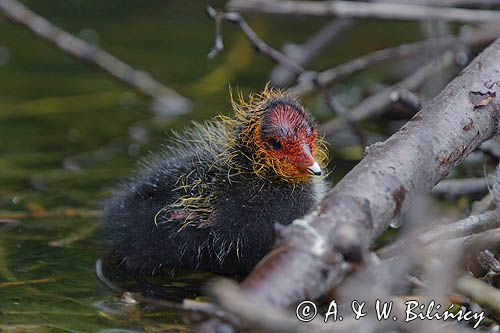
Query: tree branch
(392, 11)
(452, 188)
(470, 225)
(165, 100)
(302, 54)
(330, 76)
(377, 104)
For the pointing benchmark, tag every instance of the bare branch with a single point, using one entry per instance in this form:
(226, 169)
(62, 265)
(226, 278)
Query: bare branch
(468, 244)
(343, 114)
(302, 54)
(492, 148)
(260, 45)
(165, 100)
(407, 99)
(377, 104)
(452, 188)
(392, 11)
(488, 261)
(450, 3)
(486, 203)
(218, 43)
(470, 225)
(330, 76)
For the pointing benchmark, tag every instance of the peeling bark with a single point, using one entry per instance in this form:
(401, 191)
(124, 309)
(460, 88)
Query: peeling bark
(314, 252)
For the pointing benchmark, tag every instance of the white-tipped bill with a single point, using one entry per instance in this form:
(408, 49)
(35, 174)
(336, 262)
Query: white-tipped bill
(314, 169)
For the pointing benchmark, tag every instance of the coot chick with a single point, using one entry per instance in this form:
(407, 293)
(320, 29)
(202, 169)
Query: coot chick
(211, 199)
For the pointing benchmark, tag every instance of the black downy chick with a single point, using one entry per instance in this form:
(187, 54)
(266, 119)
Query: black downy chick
(211, 200)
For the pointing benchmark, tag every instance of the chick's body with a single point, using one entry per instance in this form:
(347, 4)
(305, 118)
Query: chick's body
(210, 202)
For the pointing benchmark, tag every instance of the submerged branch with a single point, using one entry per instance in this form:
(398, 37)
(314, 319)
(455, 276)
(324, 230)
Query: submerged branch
(208, 310)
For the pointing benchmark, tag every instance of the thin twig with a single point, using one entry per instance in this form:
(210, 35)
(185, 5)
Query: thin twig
(259, 44)
(470, 225)
(357, 9)
(302, 54)
(447, 3)
(407, 99)
(469, 244)
(167, 102)
(340, 111)
(332, 75)
(377, 104)
(262, 47)
(217, 16)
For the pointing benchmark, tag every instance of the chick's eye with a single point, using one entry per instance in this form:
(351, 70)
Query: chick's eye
(275, 144)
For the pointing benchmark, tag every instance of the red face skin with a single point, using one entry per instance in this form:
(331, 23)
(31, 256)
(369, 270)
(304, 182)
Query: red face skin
(289, 140)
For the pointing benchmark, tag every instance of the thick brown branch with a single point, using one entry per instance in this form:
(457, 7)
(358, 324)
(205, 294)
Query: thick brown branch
(312, 252)
(357, 9)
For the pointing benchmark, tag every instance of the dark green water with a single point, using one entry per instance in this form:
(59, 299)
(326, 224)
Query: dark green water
(68, 133)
